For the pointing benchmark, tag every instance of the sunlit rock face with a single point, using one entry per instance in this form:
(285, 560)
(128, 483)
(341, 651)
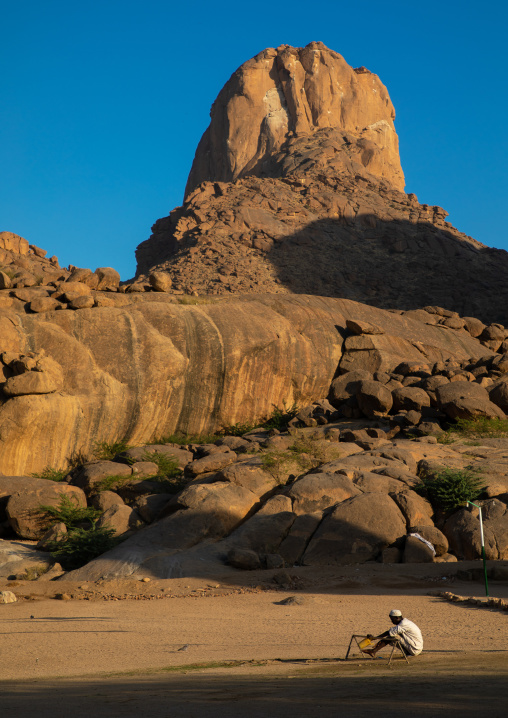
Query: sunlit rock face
(288, 93)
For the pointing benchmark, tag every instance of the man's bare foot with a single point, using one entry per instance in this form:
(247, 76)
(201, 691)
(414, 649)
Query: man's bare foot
(370, 651)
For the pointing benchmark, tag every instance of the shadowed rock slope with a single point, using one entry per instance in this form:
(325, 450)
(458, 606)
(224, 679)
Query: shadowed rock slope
(296, 187)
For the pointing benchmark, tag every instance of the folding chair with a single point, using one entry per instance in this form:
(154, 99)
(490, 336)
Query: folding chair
(394, 643)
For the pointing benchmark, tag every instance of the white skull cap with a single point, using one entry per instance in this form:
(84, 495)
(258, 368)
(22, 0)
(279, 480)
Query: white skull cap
(395, 612)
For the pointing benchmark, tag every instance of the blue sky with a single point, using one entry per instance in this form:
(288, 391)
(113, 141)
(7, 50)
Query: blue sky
(103, 104)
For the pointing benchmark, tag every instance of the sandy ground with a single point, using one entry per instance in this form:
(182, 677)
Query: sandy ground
(110, 657)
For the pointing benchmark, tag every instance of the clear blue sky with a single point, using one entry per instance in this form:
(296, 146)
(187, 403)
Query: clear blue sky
(103, 104)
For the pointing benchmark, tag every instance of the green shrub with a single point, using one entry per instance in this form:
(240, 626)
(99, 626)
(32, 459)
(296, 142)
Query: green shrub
(187, 439)
(52, 474)
(281, 417)
(77, 459)
(167, 465)
(81, 546)
(482, 426)
(111, 483)
(449, 488)
(106, 451)
(68, 513)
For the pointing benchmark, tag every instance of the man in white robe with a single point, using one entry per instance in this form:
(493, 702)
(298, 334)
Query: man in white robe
(405, 631)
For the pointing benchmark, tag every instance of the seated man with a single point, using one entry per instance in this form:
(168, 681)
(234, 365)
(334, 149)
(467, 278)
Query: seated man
(406, 632)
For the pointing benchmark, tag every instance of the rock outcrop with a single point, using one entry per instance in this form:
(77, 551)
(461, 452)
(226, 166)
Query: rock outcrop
(294, 92)
(296, 187)
(71, 378)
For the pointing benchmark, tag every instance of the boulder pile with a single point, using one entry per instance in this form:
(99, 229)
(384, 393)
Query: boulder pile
(312, 497)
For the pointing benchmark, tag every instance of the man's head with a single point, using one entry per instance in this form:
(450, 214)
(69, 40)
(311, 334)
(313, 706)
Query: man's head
(395, 616)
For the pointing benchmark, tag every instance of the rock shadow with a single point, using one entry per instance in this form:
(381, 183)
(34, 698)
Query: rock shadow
(395, 264)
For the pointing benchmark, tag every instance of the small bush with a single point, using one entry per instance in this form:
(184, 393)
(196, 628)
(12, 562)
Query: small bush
(169, 475)
(81, 546)
(237, 429)
(111, 483)
(77, 459)
(52, 474)
(482, 426)
(166, 465)
(68, 513)
(106, 451)
(450, 488)
(281, 417)
(32, 573)
(187, 439)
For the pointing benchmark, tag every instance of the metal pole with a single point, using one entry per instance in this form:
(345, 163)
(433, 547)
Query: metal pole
(483, 546)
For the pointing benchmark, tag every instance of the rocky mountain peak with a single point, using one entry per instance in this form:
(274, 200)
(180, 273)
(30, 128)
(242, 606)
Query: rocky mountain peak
(285, 95)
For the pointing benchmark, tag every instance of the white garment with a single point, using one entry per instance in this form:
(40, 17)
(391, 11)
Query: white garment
(409, 635)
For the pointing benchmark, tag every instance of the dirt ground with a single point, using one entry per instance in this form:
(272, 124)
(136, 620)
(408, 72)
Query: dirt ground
(247, 654)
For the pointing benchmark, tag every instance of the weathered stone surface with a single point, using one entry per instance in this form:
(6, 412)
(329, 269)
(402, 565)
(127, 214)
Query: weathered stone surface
(244, 559)
(120, 518)
(410, 398)
(92, 474)
(462, 530)
(296, 90)
(151, 505)
(293, 546)
(360, 327)
(467, 400)
(57, 532)
(250, 475)
(44, 304)
(434, 535)
(23, 505)
(416, 509)
(215, 462)
(108, 278)
(160, 281)
(415, 551)
(356, 531)
(46, 378)
(175, 368)
(81, 302)
(318, 491)
(7, 597)
(374, 399)
(104, 500)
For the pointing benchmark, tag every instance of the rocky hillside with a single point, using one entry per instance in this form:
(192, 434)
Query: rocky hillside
(296, 187)
(81, 365)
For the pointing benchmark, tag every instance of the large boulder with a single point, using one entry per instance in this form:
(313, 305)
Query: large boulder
(467, 400)
(23, 505)
(374, 399)
(356, 531)
(317, 491)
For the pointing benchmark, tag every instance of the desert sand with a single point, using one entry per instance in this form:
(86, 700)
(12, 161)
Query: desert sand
(247, 654)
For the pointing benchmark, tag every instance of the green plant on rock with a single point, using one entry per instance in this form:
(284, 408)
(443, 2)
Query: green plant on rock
(81, 546)
(167, 465)
(52, 474)
(169, 476)
(186, 439)
(111, 483)
(106, 451)
(450, 488)
(280, 418)
(67, 512)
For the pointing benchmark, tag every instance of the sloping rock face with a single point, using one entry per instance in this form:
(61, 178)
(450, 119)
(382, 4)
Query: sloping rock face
(296, 187)
(152, 367)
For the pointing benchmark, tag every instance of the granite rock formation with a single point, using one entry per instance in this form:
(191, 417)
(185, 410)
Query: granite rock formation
(296, 187)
